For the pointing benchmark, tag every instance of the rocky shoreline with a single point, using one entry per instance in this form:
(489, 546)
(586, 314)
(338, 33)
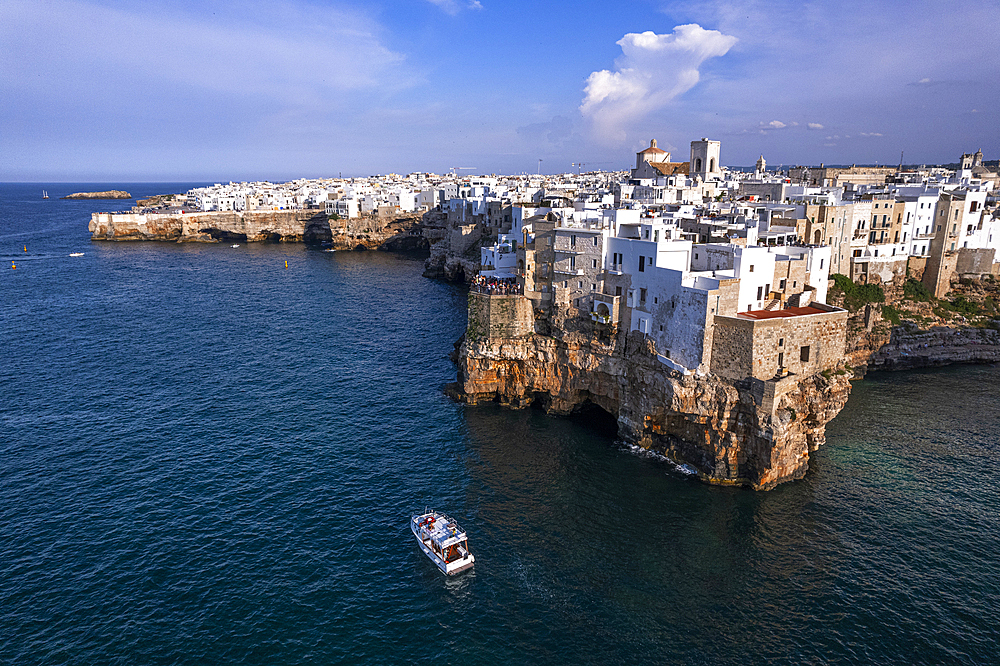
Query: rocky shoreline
(747, 433)
(751, 433)
(401, 234)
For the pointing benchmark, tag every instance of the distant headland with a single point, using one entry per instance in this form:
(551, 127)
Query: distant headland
(110, 194)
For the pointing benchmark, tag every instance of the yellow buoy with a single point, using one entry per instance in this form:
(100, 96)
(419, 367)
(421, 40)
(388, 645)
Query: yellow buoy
(25, 248)
(286, 263)
(13, 266)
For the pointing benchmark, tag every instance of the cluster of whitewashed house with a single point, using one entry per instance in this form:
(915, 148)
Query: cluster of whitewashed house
(680, 249)
(384, 195)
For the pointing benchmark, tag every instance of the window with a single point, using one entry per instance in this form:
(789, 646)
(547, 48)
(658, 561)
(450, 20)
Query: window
(593, 287)
(656, 236)
(618, 291)
(661, 331)
(781, 285)
(572, 262)
(642, 264)
(781, 359)
(565, 284)
(760, 291)
(751, 268)
(822, 260)
(595, 241)
(655, 300)
(647, 234)
(781, 342)
(642, 295)
(593, 263)
(804, 354)
(572, 240)
(579, 285)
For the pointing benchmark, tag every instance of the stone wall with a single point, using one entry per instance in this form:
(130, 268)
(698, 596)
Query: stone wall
(974, 261)
(495, 317)
(764, 348)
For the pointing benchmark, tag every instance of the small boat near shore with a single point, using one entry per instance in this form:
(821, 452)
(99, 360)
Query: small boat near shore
(76, 254)
(443, 541)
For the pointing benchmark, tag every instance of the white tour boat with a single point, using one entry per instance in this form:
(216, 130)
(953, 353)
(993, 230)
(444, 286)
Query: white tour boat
(443, 541)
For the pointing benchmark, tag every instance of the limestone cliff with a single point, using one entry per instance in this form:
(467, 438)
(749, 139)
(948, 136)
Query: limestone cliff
(913, 329)
(751, 433)
(310, 226)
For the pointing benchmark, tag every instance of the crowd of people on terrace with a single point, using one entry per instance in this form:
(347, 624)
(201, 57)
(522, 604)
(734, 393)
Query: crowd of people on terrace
(496, 286)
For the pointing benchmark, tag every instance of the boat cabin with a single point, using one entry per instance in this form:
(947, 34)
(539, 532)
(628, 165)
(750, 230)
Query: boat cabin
(443, 541)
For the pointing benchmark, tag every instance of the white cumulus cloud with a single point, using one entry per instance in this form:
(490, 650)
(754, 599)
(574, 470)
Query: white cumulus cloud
(652, 70)
(776, 124)
(814, 126)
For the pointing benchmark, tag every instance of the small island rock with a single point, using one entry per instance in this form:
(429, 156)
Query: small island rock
(110, 194)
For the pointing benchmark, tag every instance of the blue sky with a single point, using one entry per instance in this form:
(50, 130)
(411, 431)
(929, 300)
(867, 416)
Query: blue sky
(115, 90)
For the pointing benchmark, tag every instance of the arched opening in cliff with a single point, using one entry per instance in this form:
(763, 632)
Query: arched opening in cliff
(416, 245)
(270, 237)
(596, 418)
(317, 231)
(223, 235)
(588, 414)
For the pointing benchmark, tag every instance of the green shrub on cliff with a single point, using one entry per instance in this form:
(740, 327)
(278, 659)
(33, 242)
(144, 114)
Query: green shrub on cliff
(914, 290)
(964, 306)
(890, 314)
(856, 295)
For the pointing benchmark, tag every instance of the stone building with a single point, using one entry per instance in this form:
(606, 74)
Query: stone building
(769, 344)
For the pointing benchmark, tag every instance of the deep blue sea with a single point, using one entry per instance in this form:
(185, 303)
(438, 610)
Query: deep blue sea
(207, 458)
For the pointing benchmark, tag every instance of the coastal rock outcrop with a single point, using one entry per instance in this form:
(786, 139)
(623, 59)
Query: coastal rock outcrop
(310, 226)
(750, 433)
(109, 194)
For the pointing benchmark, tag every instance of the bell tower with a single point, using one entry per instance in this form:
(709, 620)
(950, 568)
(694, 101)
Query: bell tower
(705, 159)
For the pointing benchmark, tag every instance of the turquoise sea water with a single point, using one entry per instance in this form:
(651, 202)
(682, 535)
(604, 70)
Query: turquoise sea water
(207, 458)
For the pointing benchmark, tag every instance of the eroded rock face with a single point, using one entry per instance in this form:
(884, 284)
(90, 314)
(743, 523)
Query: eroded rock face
(912, 347)
(309, 226)
(751, 433)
